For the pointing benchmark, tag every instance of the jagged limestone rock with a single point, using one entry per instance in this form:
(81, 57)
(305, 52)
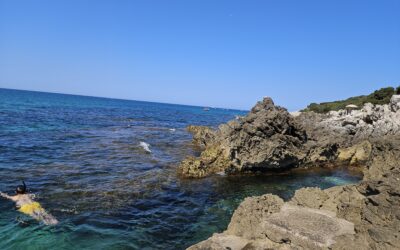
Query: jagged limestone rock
(267, 138)
(313, 218)
(270, 138)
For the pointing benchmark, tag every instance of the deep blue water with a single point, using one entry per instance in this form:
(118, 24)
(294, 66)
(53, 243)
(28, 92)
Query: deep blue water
(82, 157)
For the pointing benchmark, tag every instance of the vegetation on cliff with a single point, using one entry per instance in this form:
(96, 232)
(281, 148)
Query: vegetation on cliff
(381, 96)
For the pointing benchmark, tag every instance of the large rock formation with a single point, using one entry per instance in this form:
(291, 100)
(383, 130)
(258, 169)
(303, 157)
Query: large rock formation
(269, 138)
(360, 216)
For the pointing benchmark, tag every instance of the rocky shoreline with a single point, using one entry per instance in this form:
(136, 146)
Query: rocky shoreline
(361, 216)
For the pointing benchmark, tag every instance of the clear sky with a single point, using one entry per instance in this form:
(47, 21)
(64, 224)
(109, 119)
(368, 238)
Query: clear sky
(201, 52)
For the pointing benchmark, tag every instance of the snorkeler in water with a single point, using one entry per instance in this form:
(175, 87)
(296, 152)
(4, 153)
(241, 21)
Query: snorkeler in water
(25, 204)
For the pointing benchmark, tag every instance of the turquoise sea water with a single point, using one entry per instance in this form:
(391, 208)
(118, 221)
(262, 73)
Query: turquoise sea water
(82, 157)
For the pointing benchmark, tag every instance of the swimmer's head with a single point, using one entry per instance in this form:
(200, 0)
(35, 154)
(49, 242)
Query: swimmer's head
(21, 189)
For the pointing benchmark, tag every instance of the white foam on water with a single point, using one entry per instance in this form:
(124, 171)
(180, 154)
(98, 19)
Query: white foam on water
(145, 146)
(172, 129)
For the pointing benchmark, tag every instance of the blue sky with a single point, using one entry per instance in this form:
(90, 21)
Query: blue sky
(201, 52)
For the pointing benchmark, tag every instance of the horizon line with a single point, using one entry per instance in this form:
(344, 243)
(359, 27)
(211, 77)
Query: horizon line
(123, 99)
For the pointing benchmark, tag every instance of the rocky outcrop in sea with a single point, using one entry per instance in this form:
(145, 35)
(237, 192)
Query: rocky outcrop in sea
(267, 138)
(270, 138)
(361, 216)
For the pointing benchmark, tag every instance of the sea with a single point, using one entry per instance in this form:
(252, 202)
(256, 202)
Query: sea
(107, 170)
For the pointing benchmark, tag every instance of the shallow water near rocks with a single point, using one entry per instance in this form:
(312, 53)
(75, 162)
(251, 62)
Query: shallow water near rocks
(83, 157)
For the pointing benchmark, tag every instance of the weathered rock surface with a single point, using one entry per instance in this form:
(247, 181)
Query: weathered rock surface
(270, 138)
(356, 154)
(307, 227)
(267, 138)
(211, 160)
(202, 135)
(360, 216)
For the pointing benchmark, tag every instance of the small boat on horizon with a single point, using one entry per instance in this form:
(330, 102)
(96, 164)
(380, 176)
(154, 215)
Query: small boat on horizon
(206, 109)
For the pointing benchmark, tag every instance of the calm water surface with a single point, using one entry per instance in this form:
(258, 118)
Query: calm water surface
(82, 157)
